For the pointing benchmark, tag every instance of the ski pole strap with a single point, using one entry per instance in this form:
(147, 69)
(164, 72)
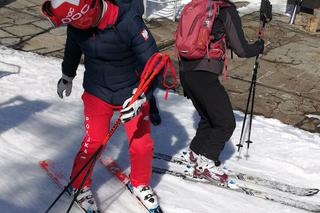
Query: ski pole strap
(173, 74)
(155, 64)
(158, 62)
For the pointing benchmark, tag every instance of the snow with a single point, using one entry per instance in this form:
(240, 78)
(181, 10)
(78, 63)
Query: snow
(35, 124)
(165, 8)
(278, 6)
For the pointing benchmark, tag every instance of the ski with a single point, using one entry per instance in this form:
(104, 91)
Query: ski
(57, 176)
(272, 184)
(115, 169)
(233, 186)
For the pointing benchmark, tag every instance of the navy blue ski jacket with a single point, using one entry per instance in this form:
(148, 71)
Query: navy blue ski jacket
(112, 55)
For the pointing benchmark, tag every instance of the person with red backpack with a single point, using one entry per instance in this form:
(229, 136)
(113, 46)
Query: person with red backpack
(114, 40)
(204, 29)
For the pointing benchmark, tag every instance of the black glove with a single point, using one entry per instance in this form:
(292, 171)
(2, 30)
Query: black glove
(260, 45)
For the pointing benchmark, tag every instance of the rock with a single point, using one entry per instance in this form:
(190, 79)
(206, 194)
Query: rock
(312, 24)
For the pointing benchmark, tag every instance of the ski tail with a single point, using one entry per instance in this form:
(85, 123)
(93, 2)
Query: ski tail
(58, 177)
(54, 173)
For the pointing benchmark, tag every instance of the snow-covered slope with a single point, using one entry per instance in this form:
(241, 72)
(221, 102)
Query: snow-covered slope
(35, 125)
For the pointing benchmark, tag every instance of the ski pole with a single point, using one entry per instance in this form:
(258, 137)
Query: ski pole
(254, 82)
(150, 71)
(296, 9)
(265, 17)
(73, 179)
(82, 183)
(155, 64)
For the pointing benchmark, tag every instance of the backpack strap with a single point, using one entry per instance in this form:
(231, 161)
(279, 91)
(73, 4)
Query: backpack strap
(221, 39)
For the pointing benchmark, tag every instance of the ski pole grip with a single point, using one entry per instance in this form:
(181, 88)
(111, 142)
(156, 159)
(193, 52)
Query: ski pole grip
(265, 16)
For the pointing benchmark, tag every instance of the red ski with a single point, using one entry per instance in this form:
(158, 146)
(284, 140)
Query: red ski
(116, 170)
(57, 176)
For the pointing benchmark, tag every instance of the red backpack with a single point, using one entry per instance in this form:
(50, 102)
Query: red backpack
(193, 39)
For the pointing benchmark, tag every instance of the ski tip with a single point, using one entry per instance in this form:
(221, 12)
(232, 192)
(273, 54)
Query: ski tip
(44, 163)
(312, 192)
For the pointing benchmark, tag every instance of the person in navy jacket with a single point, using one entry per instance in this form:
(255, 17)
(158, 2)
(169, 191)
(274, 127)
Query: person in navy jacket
(114, 40)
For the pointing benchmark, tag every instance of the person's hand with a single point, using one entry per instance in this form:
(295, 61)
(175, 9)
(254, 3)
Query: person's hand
(64, 84)
(260, 44)
(133, 109)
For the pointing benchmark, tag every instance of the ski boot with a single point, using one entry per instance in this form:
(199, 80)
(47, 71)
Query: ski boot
(210, 170)
(147, 197)
(85, 199)
(189, 157)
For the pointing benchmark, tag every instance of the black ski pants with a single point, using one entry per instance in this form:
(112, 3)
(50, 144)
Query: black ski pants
(217, 121)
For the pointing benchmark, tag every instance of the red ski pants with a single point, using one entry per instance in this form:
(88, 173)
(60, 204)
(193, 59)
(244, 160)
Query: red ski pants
(97, 114)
